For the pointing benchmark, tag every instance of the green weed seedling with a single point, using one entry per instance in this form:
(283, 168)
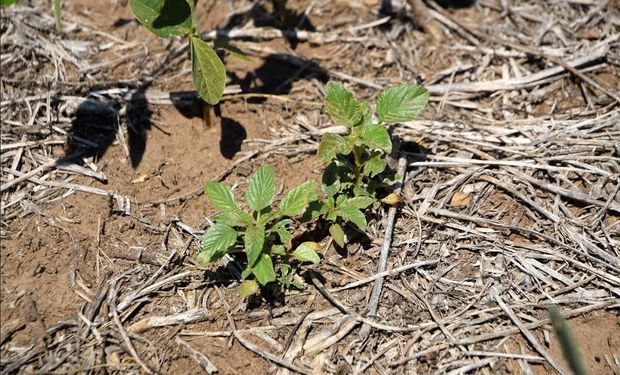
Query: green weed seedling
(357, 162)
(170, 18)
(262, 233)
(57, 11)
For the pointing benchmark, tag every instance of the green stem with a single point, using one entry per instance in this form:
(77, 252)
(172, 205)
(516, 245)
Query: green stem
(57, 15)
(357, 155)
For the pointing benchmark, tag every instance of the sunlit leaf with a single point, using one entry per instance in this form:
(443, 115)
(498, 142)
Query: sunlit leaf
(261, 189)
(208, 72)
(401, 103)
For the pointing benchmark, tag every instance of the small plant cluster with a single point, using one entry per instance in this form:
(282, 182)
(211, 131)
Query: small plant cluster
(355, 178)
(171, 18)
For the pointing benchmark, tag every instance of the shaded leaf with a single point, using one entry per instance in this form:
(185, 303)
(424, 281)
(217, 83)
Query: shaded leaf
(208, 72)
(335, 230)
(261, 189)
(263, 270)
(401, 103)
(164, 18)
(253, 241)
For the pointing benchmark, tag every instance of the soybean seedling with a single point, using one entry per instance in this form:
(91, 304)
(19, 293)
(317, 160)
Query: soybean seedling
(171, 18)
(357, 161)
(262, 233)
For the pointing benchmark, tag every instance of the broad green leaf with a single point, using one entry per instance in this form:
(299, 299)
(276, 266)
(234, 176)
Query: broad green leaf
(342, 107)
(337, 234)
(208, 72)
(217, 240)
(330, 183)
(253, 241)
(314, 211)
(353, 215)
(281, 230)
(375, 165)
(221, 196)
(263, 270)
(248, 288)
(377, 137)
(306, 252)
(236, 218)
(298, 198)
(164, 18)
(266, 216)
(247, 271)
(7, 2)
(278, 250)
(401, 103)
(358, 202)
(262, 188)
(332, 144)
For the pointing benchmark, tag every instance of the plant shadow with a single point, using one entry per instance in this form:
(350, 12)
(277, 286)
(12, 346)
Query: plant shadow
(93, 129)
(273, 13)
(172, 13)
(277, 75)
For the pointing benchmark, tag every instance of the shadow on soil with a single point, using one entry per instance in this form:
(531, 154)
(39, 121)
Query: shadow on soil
(272, 14)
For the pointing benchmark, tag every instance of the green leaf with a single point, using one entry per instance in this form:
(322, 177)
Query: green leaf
(401, 103)
(353, 215)
(281, 230)
(217, 240)
(375, 165)
(263, 270)
(342, 107)
(208, 72)
(278, 250)
(247, 271)
(306, 253)
(7, 2)
(358, 202)
(298, 198)
(164, 18)
(58, 15)
(377, 137)
(314, 211)
(337, 234)
(332, 144)
(262, 188)
(236, 218)
(253, 241)
(248, 288)
(221, 196)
